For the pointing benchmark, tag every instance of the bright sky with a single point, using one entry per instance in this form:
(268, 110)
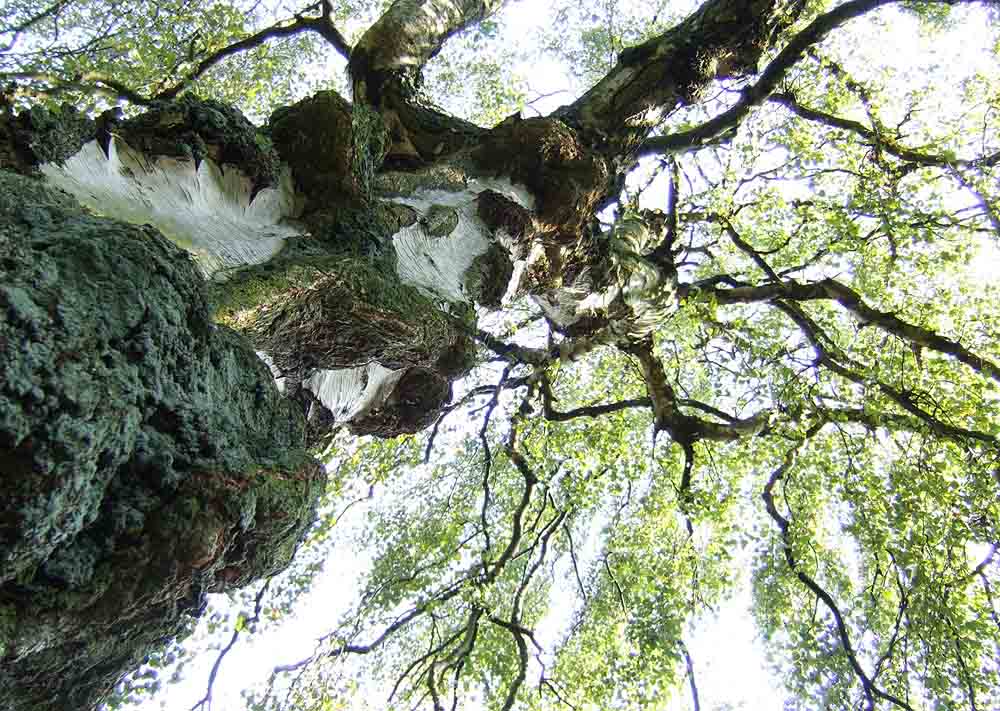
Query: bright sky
(729, 661)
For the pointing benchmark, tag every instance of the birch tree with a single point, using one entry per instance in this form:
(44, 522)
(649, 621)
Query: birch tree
(724, 299)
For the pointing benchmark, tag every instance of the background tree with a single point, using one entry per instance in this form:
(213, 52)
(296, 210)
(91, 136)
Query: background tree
(726, 302)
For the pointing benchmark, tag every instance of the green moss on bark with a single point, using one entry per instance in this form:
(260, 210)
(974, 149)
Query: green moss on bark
(313, 137)
(145, 454)
(335, 311)
(40, 135)
(196, 129)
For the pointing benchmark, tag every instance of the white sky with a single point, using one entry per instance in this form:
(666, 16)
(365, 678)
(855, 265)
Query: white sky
(729, 661)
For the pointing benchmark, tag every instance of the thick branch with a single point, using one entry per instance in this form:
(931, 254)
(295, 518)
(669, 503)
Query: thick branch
(682, 428)
(768, 81)
(386, 67)
(410, 32)
(722, 38)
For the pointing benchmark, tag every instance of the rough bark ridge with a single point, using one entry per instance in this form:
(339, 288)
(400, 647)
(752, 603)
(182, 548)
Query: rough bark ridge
(146, 454)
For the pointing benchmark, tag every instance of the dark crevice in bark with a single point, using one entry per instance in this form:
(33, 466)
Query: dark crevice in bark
(566, 177)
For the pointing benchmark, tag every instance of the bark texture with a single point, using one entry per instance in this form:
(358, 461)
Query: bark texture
(722, 38)
(146, 456)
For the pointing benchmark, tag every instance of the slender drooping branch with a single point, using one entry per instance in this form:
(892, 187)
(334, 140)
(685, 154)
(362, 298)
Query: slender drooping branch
(884, 143)
(692, 682)
(206, 700)
(828, 354)
(488, 456)
(833, 290)
(17, 30)
(322, 25)
(870, 689)
(94, 82)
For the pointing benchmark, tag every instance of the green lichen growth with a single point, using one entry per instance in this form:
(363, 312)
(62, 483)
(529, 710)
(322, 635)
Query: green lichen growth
(333, 299)
(8, 623)
(489, 274)
(196, 129)
(437, 176)
(46, 135)
(439, 220)
(146, 456)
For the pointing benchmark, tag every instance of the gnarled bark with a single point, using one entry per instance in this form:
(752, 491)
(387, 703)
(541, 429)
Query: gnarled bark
(146, 456)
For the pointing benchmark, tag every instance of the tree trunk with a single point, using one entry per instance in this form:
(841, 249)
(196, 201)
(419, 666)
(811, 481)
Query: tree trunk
(147, 456)
(157, 410)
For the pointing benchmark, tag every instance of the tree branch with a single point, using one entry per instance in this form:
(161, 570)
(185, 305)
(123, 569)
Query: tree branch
(833, 290)
(828, 355)
(407, 35)
(97, 83)
(321, 25)
(870, 689)
(518, 633)
(206, 700)
(690, 675)
(884, 143)
(488, 456)
(17, 30)
(721, 38)
(682, 428)
(90, 83)
(768, 80)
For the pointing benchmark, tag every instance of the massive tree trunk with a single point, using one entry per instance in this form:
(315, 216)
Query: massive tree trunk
(146, 453)
(228, 295)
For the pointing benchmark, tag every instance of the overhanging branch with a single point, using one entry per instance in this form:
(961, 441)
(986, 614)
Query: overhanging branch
(97, 83)
(768, 80)
(851, 301)
(322, 25)
(884, 143)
